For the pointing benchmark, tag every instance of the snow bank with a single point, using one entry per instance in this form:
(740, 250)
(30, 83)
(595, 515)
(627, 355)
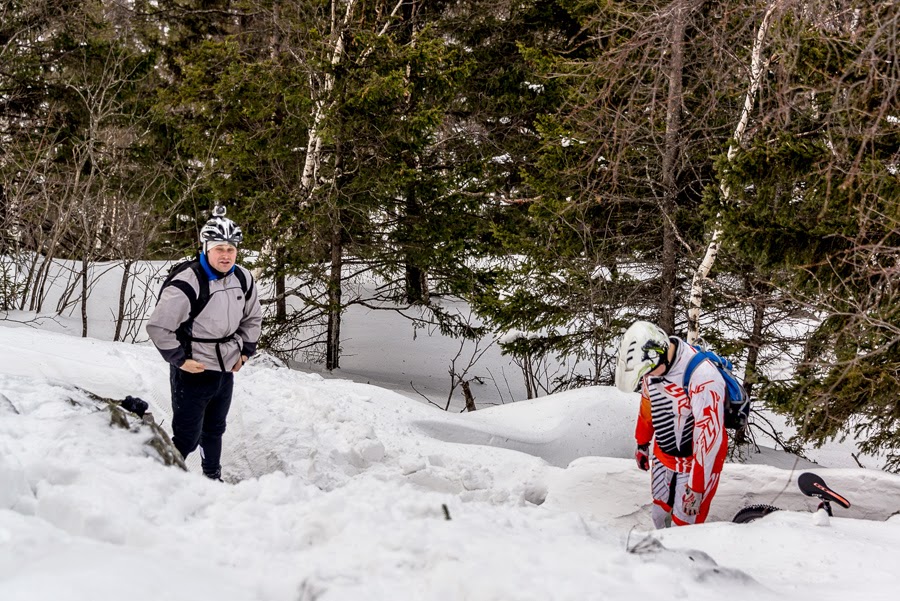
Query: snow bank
(340, 494)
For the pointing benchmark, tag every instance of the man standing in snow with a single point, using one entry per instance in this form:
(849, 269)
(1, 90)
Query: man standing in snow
(206, 326)
(685, 421)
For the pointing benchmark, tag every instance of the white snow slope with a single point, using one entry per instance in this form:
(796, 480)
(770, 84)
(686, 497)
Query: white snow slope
(338, 493)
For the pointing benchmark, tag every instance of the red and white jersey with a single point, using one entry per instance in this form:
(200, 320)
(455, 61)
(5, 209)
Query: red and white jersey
(688, 426)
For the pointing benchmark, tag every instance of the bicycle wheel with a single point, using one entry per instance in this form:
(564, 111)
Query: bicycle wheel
(752, 512)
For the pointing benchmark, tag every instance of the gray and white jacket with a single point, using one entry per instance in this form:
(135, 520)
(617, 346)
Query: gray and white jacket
(229, 312)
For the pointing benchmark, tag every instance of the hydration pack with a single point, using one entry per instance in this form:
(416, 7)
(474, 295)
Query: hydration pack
(737, 402)
(198, 301)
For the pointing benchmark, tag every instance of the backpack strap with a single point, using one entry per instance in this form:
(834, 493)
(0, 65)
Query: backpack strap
(696, 360)
(188, 291)
(218, 342)
(199, 302)
(197, 299)
(242, 280)
(203, 295)
(736, 402)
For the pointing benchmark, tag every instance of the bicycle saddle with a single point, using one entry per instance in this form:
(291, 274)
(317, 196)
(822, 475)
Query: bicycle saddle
(812, 485)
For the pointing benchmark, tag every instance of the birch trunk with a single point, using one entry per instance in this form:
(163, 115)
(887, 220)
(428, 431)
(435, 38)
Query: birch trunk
(314, 143)
(756, 68)
(339, 25)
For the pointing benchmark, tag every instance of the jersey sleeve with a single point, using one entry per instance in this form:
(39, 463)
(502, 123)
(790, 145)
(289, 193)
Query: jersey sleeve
(643, 431)
(707, 394)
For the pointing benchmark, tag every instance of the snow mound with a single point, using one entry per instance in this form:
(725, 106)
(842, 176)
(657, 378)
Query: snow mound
(343, 491)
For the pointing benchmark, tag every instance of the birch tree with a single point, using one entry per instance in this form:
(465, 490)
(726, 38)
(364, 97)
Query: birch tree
(754, 74)
(614, 212)
(316, 153)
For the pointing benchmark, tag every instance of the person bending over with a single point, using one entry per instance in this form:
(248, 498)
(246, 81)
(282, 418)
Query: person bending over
(684, 421)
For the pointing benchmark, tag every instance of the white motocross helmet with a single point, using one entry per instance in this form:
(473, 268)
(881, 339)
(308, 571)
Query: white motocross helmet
(644, 346)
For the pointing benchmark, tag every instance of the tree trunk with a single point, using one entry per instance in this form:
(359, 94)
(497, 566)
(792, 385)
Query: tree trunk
(530, 388)
(85, 266)
(416, 272)
(415, 292)
(39, 292)
(123, 288)
(6, 228)
(31, 277)
(333, 342)
(669, 162)
(467, 393)
(756, 342)
(756, 69)
(280, 287)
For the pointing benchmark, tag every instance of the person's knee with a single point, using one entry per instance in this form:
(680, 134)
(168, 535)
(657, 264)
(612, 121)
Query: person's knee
(215, 429)
(186, 430)
(185, 445)
(216, 418)
(660, 516)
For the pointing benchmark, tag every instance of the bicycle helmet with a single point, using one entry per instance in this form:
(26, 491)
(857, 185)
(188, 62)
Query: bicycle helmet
(644, 347)
(220, 230)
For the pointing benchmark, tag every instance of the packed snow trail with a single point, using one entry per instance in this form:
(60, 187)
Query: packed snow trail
(349, 502)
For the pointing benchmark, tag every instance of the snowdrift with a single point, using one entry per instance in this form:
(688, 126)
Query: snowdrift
(340, 492)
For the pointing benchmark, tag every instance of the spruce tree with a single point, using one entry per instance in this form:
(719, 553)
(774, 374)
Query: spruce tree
(818, 209)
(644, 103)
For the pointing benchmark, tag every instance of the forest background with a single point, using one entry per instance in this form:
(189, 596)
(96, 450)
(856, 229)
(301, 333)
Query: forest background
(728, 170)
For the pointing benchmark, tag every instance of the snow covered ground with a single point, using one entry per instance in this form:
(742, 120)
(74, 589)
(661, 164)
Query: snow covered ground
(338, 493)
(339, 489)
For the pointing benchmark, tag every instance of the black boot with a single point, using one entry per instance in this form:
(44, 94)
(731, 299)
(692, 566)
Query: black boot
(217, 475)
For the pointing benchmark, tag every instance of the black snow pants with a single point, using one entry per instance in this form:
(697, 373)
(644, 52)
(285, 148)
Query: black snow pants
(200, 404)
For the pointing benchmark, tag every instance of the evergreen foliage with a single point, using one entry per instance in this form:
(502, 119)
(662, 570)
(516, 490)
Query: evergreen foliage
(818, 209)
(595, 233)
(557, 164)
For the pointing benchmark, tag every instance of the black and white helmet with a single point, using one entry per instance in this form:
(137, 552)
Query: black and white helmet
(644, 346)
(220, 229)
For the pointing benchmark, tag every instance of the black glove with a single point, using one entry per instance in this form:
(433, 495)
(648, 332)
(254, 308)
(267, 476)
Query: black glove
(135, 405)
(642, 456)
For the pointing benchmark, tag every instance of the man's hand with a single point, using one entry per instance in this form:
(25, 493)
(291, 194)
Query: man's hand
(240, 363)
(193, 367)
(691, 501)
(642, 456)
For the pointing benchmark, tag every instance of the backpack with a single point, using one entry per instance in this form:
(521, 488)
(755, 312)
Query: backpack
(737, 402)
(198, 300)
